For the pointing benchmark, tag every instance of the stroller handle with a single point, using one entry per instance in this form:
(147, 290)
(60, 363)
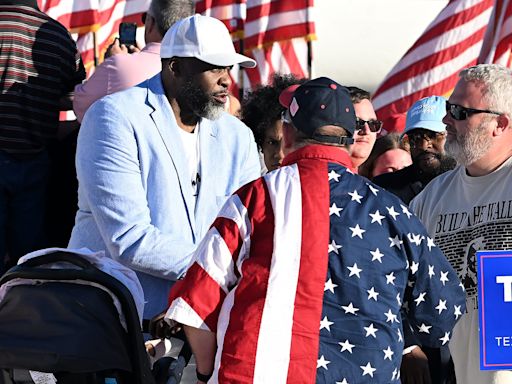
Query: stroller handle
(56, 257)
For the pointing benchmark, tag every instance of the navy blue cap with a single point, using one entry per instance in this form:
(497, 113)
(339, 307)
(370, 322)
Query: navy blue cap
(317, 103)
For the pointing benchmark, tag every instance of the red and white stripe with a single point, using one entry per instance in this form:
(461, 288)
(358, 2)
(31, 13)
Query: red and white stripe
(289, 56)
(270, 242)
(231, 12)
(430, 67)
(497, 46)
(274, 33)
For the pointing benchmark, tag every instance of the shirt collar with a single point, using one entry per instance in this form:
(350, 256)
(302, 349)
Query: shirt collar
(153, 47)
(320, 152)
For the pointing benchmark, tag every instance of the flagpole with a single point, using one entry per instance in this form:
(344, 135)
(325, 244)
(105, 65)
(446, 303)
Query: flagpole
(310, 59)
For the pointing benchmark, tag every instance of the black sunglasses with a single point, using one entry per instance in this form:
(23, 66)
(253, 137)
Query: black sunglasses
(374, 125)
(143, 17)
(458, 112)
(417, 136)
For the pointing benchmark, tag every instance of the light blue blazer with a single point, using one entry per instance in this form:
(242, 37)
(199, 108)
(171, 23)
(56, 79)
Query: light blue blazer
(135, 194)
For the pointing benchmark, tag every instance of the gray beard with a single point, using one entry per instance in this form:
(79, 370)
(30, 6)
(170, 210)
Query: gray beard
(470, 147)
(212, 111)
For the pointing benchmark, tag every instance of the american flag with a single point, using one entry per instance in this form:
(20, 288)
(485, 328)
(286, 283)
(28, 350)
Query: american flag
(305, 272)
(450, 43)
(497, 46)
(94, 23)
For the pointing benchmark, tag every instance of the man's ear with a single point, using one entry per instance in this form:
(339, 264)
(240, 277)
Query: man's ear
(503, 122)
(174, 66)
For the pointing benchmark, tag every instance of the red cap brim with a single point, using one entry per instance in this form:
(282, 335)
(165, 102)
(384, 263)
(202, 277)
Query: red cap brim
(286, 96)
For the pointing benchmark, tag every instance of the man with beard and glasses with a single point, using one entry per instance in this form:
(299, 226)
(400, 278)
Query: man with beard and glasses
(426, 134)
(156, 162)
(367, 126)
(470, 208)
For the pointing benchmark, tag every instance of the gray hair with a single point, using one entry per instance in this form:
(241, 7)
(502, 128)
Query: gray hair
(167, 12)
(497, 85)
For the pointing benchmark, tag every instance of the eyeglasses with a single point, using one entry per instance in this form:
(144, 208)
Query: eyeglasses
(458, 112)
(143, 17)
(374, 125)
(417, 136)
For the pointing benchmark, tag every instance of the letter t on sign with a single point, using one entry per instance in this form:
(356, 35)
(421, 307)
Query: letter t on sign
(507, 286)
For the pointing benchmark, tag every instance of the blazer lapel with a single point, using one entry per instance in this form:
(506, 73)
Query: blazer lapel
(167, 128)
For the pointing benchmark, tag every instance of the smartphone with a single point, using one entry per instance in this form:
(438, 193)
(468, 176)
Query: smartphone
(127, 33)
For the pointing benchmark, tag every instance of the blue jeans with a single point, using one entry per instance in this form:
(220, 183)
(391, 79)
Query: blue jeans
(22, 206)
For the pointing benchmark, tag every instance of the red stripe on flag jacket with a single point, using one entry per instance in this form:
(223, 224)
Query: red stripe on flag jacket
(305, 273)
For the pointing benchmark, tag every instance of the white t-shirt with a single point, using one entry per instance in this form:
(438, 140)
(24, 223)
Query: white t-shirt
(466, 214)
(190, 142)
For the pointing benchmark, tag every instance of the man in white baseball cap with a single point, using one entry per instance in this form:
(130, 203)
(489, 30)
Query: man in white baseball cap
(156, 162)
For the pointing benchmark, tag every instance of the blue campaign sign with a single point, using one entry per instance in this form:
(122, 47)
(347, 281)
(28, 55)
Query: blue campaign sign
(495, 309)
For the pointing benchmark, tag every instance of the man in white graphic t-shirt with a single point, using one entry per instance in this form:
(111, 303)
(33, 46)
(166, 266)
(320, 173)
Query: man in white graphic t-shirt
(470, 208)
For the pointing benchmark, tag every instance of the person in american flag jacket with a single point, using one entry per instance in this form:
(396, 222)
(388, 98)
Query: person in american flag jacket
(303, 275)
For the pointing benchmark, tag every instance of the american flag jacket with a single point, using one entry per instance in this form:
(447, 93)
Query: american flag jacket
(304, 275)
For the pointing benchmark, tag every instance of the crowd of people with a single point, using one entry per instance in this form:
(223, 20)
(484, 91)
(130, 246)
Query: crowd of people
(290, 240)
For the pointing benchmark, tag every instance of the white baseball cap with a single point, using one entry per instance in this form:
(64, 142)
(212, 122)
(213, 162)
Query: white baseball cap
(204, 38)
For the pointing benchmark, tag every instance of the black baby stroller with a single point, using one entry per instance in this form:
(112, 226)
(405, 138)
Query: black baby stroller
(55, 329)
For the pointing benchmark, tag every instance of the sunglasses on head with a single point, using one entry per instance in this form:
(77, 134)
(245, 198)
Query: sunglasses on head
(374, 125)
(458, 112)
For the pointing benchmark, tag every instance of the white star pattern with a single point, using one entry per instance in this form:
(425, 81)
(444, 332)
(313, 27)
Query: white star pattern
(377, 255)
(441, 306)
(430, 243)
(388, 353)
(431, 272)
(346, 346)
(354, 270)
(350, 309)
(406, 211)
(394, 375)
(395, 242)
(334, 210)
(390, 317)
(329, 286)
(355, 196)
(383, 250)
(414, 238)
(325, 323)
(394, 214)
(367, 369)
(390, 279)
(333, 247)
(372, 294)
(445, 338)
(373, 189)
(322, 362)
(357, 231)
(420, 298)
(371, 330)
(376, 217)
(333, 176)
(462, 287)
(457, 311)
(444, 277)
